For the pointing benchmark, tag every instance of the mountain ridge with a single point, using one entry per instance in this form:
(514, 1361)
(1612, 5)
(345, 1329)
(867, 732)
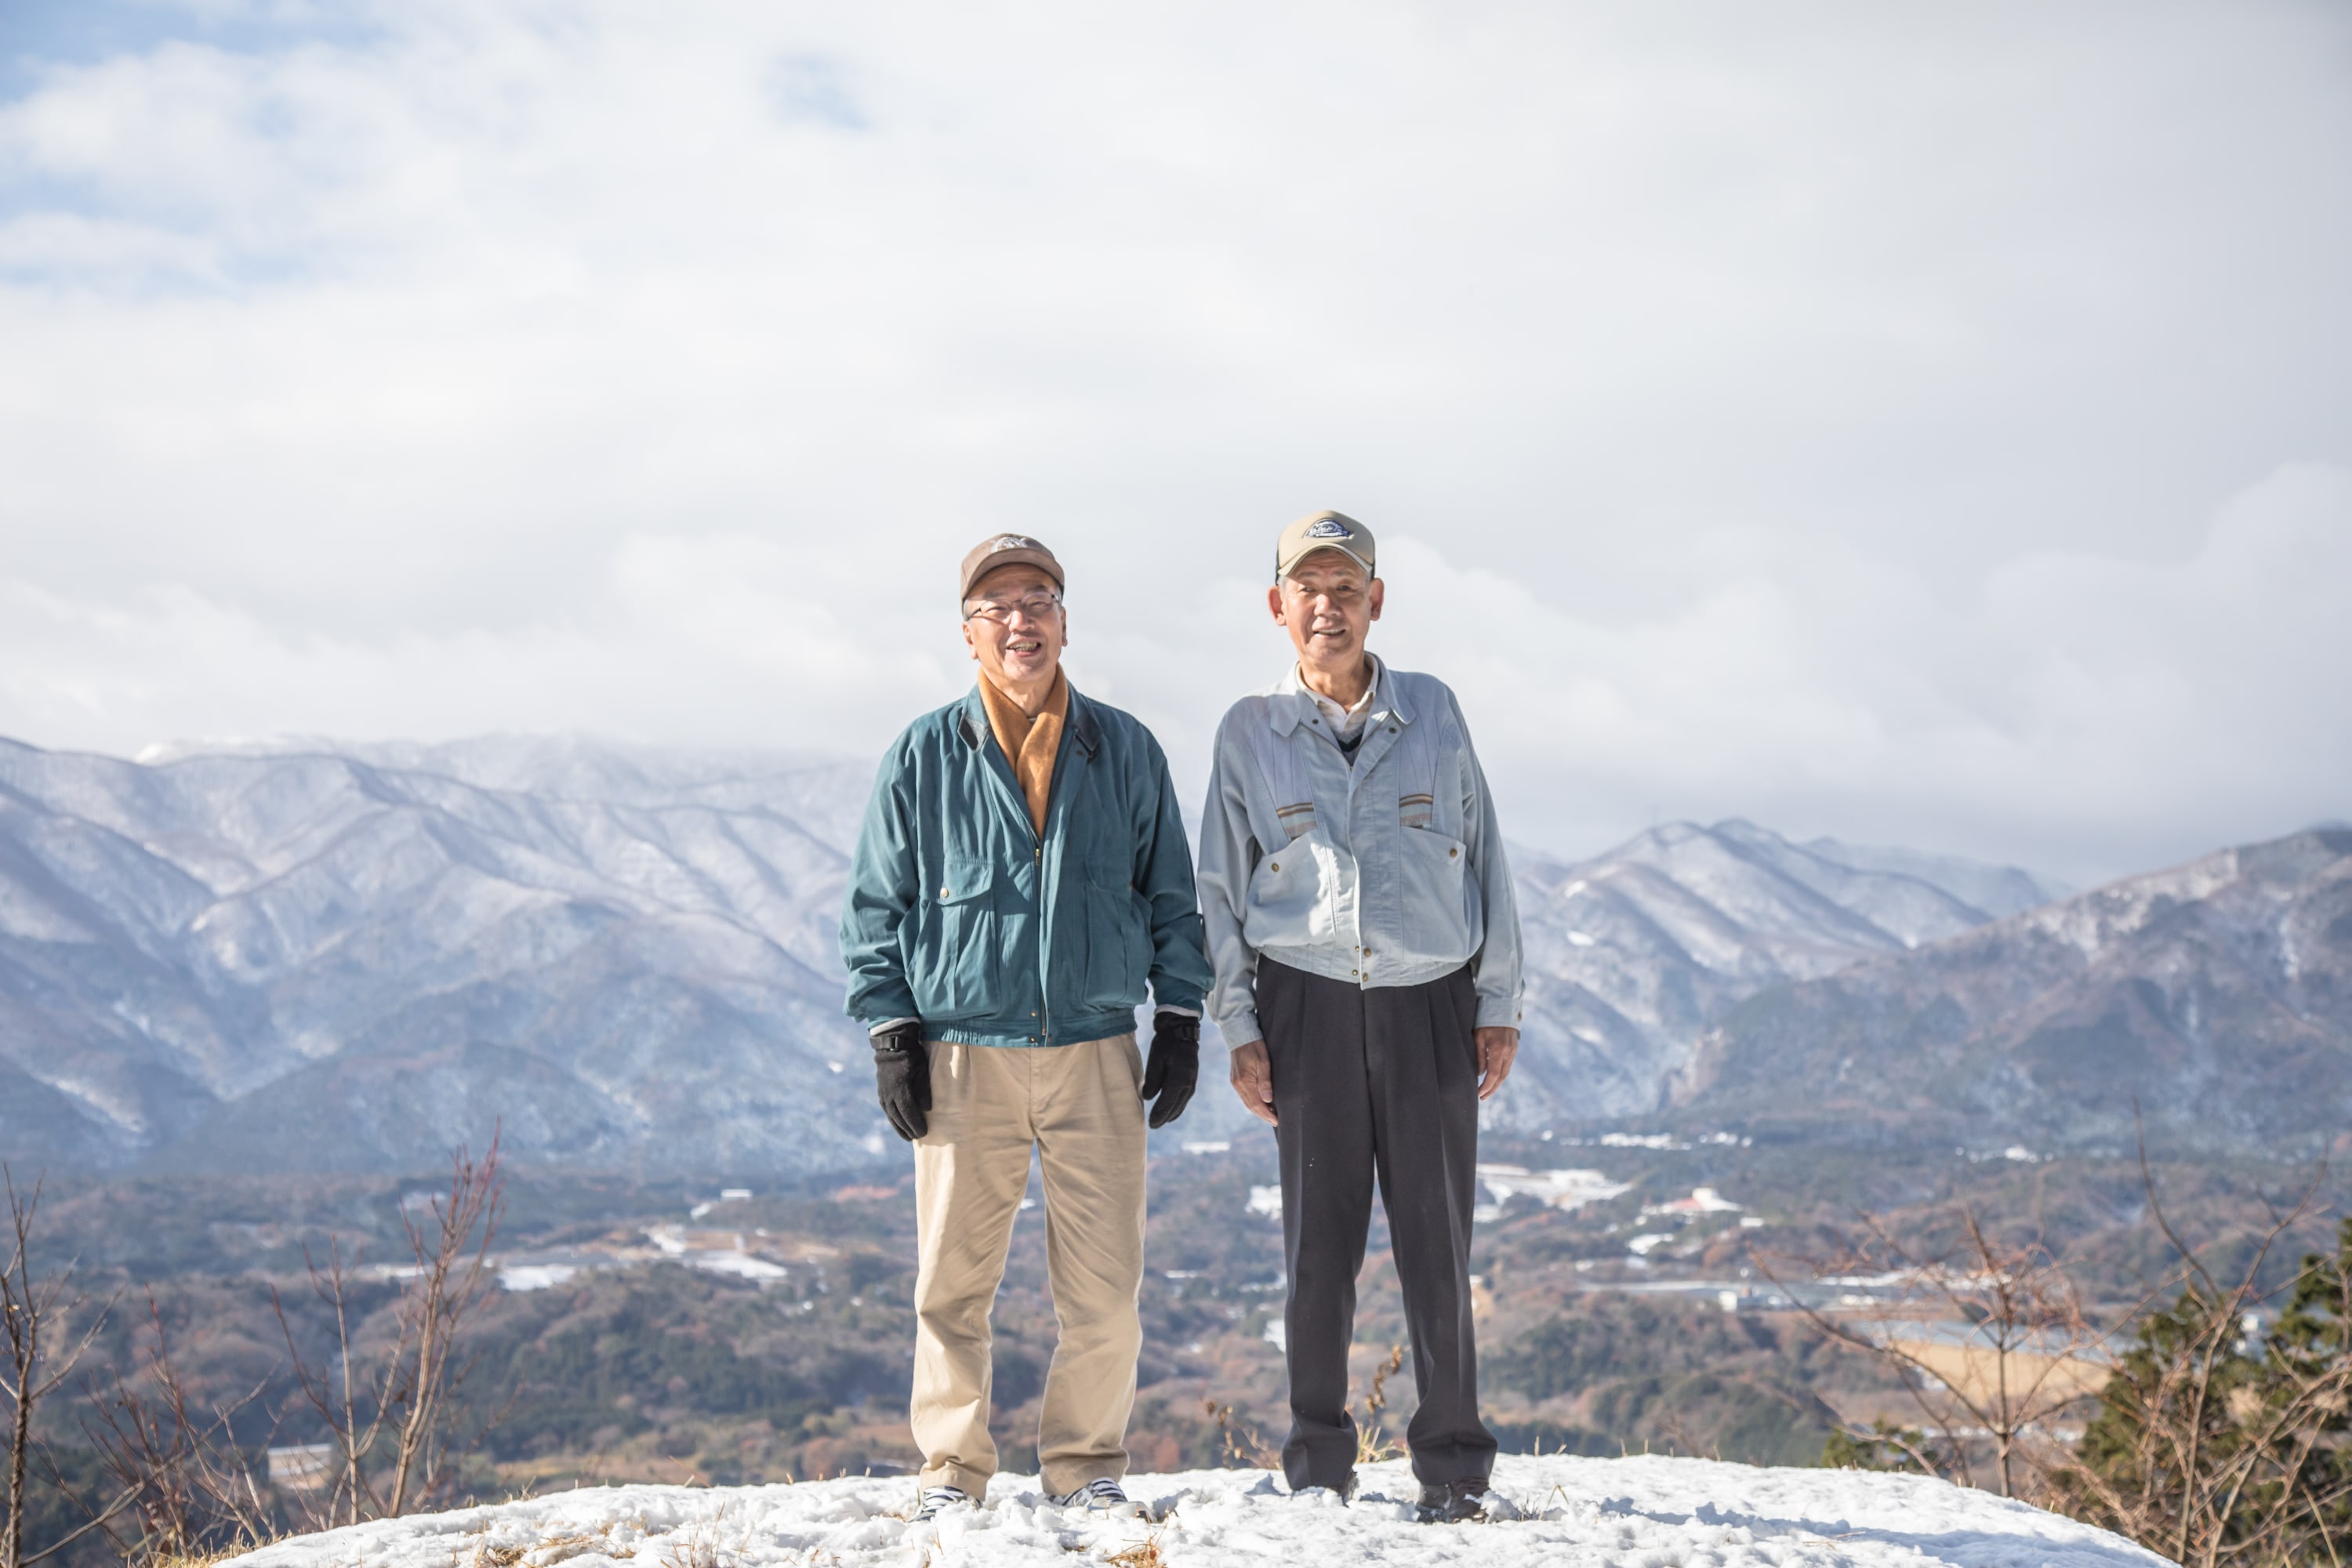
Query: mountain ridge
(1633, 953)
(224, 923)
(2211, 1002)
(280, 955)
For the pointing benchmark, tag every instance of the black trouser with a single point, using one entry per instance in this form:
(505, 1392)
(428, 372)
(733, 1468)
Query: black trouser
(1376, 1083)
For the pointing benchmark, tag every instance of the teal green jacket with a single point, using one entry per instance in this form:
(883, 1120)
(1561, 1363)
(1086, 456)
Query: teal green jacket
(957, 913)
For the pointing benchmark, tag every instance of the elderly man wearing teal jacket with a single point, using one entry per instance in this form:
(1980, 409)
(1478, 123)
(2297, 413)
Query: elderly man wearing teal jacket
(1022, 875)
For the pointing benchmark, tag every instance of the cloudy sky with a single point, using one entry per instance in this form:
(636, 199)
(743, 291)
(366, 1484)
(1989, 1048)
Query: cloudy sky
(1922, 425)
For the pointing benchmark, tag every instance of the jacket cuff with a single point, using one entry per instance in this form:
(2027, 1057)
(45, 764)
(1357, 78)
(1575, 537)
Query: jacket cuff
(889, 1024)
(1160, 1007)
(1498, 1012)
(1169, 992)
(1241, 1029)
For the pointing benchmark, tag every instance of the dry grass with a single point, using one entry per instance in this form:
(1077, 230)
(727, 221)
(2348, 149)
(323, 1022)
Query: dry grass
(1975, 1372)
(207, 1559)
(1144, 1554)
(703, 1546)
(546, 1551)
(1243, 1446)
(1371, 1446)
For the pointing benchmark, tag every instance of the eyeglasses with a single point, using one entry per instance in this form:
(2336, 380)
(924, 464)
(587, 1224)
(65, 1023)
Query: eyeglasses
(1037, 605)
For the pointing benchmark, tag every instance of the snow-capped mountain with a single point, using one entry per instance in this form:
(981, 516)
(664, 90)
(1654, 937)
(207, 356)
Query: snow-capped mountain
(307, 955)
(1633, 954)
(2211, 1002)
(308, 960)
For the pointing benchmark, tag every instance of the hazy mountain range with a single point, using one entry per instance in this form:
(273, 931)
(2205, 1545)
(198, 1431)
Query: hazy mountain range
(2214, 1001)
(303, 955)
(318, 958)
(1633, 953)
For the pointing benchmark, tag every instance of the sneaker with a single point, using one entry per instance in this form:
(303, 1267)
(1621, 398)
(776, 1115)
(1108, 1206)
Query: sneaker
(937, 1501)
(1102, 1495)
(1452, 1502)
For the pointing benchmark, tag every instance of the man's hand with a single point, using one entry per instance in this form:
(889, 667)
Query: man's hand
(902, 1078)
(1175, 1070)
(1498, 1044)
(1254, 1081)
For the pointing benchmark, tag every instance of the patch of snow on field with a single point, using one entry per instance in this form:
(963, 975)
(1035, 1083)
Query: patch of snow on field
(673, 1244)
(741, 1265)
(1564, 1190)
(535, 1276)
(1556, 1512)
(1642, 1140)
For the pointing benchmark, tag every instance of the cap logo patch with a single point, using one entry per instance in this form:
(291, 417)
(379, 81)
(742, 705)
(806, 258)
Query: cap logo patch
(1012, 542)
(1329, 528)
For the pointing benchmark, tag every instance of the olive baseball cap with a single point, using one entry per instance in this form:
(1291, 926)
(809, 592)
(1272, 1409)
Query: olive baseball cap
(1324, 530)
(1007, 549)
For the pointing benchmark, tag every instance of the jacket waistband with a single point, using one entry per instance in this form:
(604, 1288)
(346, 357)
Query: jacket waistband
(1090, 1028)
(1342, 964)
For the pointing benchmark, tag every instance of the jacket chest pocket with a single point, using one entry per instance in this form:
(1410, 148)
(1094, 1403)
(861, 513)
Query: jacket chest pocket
(1416, 766)
(959, 958)
(1282, 766)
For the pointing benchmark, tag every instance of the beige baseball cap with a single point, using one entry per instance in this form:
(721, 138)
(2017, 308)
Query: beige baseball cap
(1008, 549)
(1324, 530)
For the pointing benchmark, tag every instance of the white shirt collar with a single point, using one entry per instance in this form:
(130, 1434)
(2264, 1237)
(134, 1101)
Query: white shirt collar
(1344, 722)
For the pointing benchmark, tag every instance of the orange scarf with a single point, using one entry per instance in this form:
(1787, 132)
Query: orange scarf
(1029, 744)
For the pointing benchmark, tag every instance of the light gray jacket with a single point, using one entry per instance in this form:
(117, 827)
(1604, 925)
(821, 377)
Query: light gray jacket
(1390, 872)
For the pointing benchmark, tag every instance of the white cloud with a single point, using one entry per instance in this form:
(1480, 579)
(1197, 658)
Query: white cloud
(2088, 712)
(1844, 409)
(2079, 709)
(683, 640)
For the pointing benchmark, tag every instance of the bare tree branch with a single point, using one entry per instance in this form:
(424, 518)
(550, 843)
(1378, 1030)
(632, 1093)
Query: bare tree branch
(194, 1488)
(29, 1310)
(390, 1414)
(2029, 1335)
(2216, 1450)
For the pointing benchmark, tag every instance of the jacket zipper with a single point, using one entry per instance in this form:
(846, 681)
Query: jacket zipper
(1044, 1001)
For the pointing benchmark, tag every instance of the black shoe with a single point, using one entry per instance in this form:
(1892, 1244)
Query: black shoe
(1344, 1489)
(1452, 1502)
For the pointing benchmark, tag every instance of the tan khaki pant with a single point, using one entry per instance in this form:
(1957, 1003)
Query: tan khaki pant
(1081, 1109)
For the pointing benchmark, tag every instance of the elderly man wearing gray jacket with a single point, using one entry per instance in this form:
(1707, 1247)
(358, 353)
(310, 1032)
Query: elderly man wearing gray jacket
(1366, 943)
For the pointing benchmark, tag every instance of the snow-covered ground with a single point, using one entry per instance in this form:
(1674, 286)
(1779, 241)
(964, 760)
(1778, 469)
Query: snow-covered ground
(1643, 1512)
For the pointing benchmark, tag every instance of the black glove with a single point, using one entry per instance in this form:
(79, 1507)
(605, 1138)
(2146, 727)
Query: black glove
(902, 1076)
(1175, 1070)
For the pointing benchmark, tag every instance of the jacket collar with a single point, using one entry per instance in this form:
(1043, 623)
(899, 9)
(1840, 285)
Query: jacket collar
(1289, 704)
(1084, 727)
(1081, 726)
